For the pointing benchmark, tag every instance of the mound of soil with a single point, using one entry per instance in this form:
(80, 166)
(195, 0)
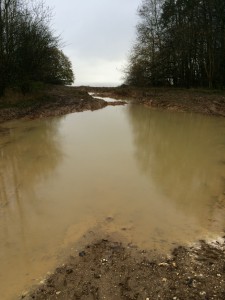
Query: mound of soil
(110, 270)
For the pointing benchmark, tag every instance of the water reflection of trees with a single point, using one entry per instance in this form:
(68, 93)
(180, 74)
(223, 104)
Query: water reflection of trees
(29, 152)
(181, 154)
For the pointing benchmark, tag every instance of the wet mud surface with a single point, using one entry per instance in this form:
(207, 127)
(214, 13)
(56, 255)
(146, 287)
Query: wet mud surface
(208, 102)
(61, 100)
(110, 270)
(54, 101)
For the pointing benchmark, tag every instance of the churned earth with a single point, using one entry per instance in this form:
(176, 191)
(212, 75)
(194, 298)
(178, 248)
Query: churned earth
(204, 101)
(107, 269)
(52, 101)
(56, 100)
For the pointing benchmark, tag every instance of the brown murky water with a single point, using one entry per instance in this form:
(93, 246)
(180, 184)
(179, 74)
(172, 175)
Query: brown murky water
(160, 176)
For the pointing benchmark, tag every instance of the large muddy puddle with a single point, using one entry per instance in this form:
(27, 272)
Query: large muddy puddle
(157, 179)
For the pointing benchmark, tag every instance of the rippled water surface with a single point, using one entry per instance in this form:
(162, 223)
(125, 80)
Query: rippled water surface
(155, 178)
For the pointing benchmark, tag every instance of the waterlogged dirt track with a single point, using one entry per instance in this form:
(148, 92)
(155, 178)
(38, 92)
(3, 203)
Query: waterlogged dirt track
(110, 270)
(106, 268)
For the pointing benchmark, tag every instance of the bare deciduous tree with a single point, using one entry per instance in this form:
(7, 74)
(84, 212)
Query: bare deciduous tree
(28, 46)
(180, 42)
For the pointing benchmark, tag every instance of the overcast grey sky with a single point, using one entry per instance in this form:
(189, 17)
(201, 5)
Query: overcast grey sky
(98, 36)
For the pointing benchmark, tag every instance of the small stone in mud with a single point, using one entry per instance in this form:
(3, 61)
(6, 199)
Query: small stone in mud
(42, 282)
(82, 253)
(163, 264)
(24, 294)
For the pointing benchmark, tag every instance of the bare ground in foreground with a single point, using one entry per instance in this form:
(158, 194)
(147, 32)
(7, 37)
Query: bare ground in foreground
(110, 270)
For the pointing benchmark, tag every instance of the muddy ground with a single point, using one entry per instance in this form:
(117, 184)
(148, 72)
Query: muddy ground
(52, 101)
(61, 100)
(110, 270)
(209, 102)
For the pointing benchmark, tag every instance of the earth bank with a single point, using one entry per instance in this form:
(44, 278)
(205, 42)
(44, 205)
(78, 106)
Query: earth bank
(107, 269)
(51, 101)
(209, 102)
(60, 100)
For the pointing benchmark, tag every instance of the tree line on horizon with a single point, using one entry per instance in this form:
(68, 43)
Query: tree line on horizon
(179, 43)
(29, 50)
